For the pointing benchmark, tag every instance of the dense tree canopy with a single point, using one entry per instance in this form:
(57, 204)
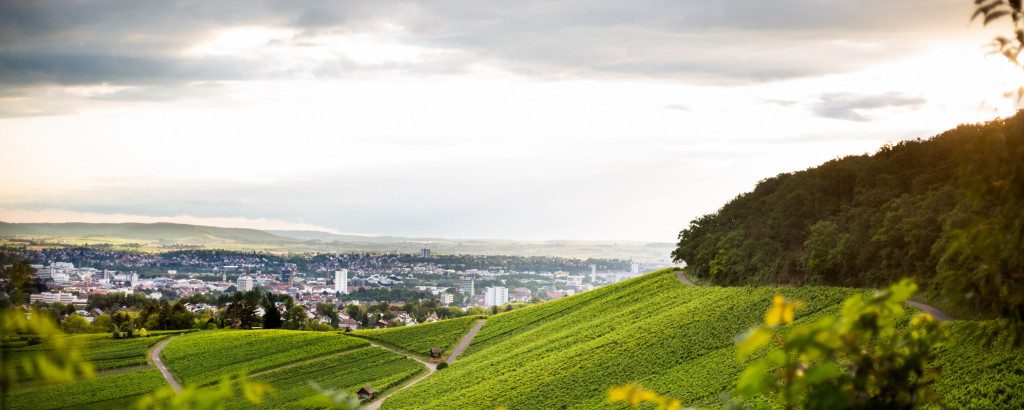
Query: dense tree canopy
(863, 220)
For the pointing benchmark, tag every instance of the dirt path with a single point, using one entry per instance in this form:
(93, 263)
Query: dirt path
(464, 343)
(926, 308)
(682, 278)
(931, 310)
(431, 367)
(155, 355)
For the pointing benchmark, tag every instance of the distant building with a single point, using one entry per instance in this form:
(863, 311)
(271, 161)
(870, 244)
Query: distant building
(341, 281)
(496, 296)
(349, 324)
(50, 297)
(425, 253)
(466, 285)
(521, 294)
(244, 284)
(447, 298)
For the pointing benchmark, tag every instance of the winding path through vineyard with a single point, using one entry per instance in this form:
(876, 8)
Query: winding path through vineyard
(155, 355)
(682, 278)
(431, 367)
(924, 307)
(931, 310)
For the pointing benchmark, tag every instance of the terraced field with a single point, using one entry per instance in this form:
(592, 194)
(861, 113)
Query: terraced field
(373, 366)
(121, 365)
(200, 358)
(418, 339)
(104, 352)
(979, 376)
(673, 338)
(677, 340)
(110, 391)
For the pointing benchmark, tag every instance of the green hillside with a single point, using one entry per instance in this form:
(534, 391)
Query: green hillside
(418, 339)
(155, 232)
(200, 358)
(107, 391)
(865, 220)
(348, 371)
(124, 374)
(675, 339)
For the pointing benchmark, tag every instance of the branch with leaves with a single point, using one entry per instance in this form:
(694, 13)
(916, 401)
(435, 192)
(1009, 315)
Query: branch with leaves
(63, 363)
(860, 359)
(1010, 47)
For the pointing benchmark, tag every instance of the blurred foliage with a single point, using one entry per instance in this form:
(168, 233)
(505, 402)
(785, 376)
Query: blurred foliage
(62, 363)
(860, 359)
(1007, 46)
(331, 399)
(983, 264)
(634, 395)
(866, 357)
(192, 398)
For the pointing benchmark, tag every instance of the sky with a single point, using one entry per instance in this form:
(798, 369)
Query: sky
(576, 119)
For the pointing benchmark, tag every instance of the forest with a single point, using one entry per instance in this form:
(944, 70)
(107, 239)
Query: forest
(909, 210)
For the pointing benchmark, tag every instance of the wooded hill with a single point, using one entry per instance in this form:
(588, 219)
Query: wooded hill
(863, 220)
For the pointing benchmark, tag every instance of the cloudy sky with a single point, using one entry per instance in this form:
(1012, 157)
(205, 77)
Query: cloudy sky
(532, 120)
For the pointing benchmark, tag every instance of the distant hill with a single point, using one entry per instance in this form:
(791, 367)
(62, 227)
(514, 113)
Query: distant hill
(334, 237)
(864, 220)
(167, 236)
(143, 232)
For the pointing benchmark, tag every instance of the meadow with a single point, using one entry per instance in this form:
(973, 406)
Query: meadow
(200, 358)
(418, 339)
(675, 339)
(367, 366)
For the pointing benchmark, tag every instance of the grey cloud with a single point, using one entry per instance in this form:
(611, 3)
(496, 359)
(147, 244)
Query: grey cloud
(139, 42)
(853, 107)
(75, 68)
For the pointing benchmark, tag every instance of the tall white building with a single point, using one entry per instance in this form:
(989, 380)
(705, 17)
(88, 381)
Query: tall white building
(245, 283)
(341, 281)
(496, 296)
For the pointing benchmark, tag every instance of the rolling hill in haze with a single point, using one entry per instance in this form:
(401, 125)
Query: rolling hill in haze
(144, 232)
(166, 236)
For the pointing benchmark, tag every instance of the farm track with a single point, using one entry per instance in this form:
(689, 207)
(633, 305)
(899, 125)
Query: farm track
(931, 310)
(431, 367)
(155, 355)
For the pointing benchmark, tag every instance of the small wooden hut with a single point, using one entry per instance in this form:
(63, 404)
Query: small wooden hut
(366, 393)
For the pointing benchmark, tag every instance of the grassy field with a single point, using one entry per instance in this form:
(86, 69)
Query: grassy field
(105, 352)
(111, 391)
(675, 339)
(348, 371)
(200, 358)
(418, 339)
(979, 376)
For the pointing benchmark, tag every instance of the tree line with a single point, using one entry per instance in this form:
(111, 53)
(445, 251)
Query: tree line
(945, 211)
